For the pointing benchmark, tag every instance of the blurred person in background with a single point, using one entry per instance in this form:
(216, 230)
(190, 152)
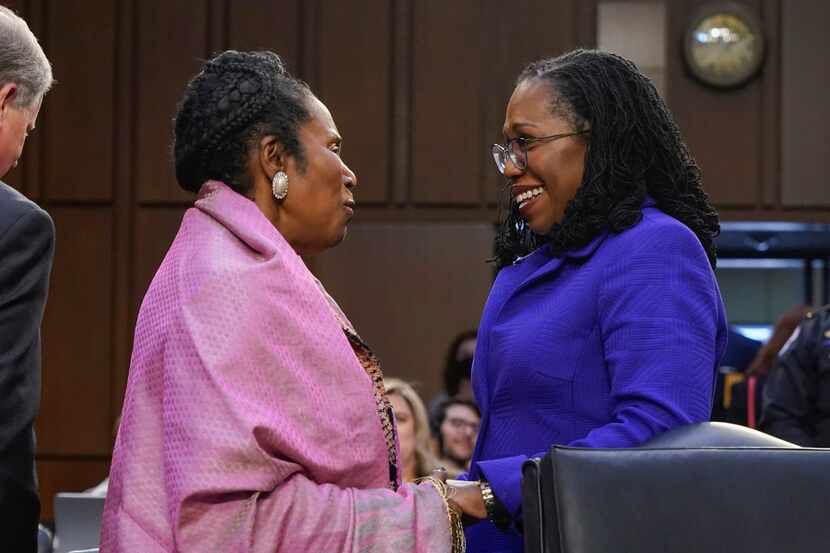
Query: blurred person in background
(27, 243)
(740, 386)
(454, 430)
(459, 364)
(784, 327)
(457, 374)
(797, 391)
(417, 460)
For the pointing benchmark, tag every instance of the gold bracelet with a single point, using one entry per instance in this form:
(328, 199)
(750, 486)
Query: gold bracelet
(495, 512)
(457, 540)
(487, 496)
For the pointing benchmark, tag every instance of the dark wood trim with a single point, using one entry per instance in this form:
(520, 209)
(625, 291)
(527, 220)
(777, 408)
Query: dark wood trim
(585, 23)
(418, 213)
(401, 105)
(770, 162)
(309, 64)
(123, 200)
(37, 186)
(17, 178)
(484, 94)
(795, 214)
(79, 203)
(218, 26)
(46, 456)
(33, 169)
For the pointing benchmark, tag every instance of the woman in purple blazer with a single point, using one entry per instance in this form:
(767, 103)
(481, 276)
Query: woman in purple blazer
(605, 324)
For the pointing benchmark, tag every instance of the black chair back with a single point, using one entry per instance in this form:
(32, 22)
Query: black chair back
(712, 487)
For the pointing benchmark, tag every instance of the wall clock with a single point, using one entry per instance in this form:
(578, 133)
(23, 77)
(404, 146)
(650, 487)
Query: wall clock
(724, 44)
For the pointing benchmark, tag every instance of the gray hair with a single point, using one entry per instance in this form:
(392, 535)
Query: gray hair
(22, 60)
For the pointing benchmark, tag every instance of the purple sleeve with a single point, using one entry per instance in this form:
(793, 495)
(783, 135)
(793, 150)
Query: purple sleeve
(659, 314)
(505, 478)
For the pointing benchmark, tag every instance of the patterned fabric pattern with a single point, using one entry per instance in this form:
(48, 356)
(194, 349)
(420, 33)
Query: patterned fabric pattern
(249, 425)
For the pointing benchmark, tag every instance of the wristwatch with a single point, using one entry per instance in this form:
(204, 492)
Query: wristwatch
(496, 511)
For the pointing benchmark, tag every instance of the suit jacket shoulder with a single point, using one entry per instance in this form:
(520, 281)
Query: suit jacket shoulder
(14, 206)
(26, 251)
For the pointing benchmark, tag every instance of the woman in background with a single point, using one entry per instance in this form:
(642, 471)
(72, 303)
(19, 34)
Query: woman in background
(417, 460)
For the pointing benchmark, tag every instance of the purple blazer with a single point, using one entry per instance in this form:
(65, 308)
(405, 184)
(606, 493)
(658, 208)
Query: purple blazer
(604, 346)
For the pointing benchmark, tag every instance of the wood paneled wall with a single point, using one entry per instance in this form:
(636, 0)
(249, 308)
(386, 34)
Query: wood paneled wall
(733, 134)
(805, 112)
(418, 89)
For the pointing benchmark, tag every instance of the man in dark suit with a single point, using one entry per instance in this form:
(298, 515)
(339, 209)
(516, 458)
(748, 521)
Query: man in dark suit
(797, 394)
(26, 251)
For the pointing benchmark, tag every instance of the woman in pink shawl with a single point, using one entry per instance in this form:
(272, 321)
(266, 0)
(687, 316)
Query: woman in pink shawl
(255, 418)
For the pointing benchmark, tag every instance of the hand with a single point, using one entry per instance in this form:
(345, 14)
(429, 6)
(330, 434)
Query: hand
(466, 499)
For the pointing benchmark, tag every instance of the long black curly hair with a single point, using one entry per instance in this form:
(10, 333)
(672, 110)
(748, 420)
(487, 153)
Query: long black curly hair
(634, 148)
(234, 100)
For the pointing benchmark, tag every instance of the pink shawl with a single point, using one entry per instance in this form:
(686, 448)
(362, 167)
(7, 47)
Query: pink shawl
(249, 425)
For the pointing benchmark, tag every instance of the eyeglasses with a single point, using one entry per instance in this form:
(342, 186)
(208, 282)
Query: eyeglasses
(516, 149)
(461, 424)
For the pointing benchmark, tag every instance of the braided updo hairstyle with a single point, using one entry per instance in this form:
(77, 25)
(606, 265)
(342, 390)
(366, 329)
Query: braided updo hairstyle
(237, 98)
(634, 148)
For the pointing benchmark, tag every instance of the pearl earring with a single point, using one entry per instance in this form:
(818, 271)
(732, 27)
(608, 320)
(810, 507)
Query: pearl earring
(279, 185)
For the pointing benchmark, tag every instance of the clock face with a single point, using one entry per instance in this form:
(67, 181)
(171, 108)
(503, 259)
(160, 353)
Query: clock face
(724, 48)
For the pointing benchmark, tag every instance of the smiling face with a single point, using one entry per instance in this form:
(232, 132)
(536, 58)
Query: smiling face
(320, 200)
(554, 168)
(15, 125)
(459, 432)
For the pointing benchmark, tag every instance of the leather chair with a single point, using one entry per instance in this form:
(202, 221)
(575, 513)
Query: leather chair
(704, 488)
